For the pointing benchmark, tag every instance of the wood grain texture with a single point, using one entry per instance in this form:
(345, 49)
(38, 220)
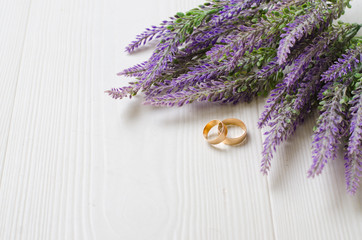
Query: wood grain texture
(169, 183)
(45, 186)
(77, 164)
(13, 21)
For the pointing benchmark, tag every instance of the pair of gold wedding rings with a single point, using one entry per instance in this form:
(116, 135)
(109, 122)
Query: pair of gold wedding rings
(223, 131)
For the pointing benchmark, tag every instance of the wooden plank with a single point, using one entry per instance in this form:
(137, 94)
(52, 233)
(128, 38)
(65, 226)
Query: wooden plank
(80, 165)
(45, 185)
(13, 23)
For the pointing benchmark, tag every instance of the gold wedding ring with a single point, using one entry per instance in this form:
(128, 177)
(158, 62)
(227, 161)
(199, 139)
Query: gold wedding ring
(235, 122)
(222, 132)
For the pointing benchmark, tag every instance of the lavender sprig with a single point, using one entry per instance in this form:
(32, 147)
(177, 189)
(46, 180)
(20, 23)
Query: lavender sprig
(318, 17)
(333, 121)
(313, 51)
(243, 85)
(331, 127)
(284, 112)
(119, 93)
(135, 71)
(235, 9)
(153, 32)
(346, 64)
(353, 156)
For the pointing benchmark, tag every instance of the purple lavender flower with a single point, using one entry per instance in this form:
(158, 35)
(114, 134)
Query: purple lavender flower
(119, 93)
(135, 71)
(221, 26)
(313, 51)
(214, 91)
(272, 104)
(303, 26)
(331, 127)
(281, 129)
(281, 90)
(205, 72)
(345, 64)
(285, 109)
(203, 38)
(283, 4)
(237, 8)
(154, 32)
(353, 156)
(231, 89)
(165, 51)
(319, 16)
(284, 112)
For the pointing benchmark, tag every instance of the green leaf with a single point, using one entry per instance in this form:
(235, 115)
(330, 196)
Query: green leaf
(277, 14)
(170, 27)
(180, 14)
(358, 75)
(198, 22)
(208, 18)
(182, 39)
(344, 100)
(212, 11)
(326, 92)
(282, 26)
(242, 89)
(295, 111)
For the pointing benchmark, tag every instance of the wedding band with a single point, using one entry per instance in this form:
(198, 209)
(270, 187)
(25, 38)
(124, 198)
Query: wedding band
(222, 131)
(235, 122)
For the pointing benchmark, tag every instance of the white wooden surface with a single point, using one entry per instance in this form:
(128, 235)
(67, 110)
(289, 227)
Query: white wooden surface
(75, 164)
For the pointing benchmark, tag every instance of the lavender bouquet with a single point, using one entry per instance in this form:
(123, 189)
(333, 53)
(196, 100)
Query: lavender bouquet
(230, 51)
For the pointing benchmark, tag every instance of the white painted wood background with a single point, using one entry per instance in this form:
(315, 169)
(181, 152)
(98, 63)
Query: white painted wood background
(76, 164)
